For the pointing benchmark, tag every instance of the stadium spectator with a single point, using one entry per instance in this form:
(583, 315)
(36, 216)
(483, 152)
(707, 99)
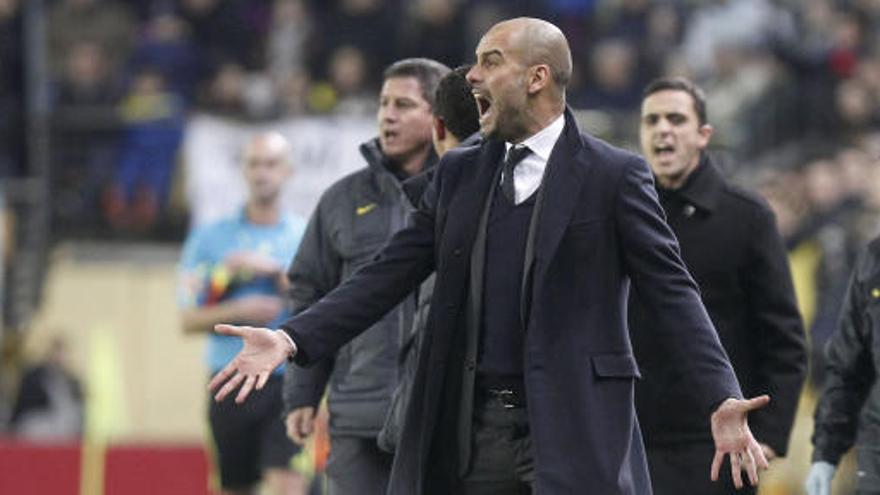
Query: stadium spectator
(50, 399)
(166, 46)
(288, 37)
(353, 220)
(86, 133)
(730, 245)
(105, 22)
(152, 117)
(233, 270)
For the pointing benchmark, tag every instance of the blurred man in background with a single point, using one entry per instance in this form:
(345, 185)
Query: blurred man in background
(731, 247)
(49, 405)
(353, 219)
(850, 403)
(456, 123)
(233, 270)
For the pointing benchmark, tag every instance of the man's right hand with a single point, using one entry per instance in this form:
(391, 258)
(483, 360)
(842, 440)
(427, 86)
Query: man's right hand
(819, 479)
(300, 424)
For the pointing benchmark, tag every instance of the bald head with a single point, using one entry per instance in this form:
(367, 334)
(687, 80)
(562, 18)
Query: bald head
(271, 143)
(539, 42)
(266, 158)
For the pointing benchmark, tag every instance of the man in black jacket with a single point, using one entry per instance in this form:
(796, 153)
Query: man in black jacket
(850, 404)
(731, 247)
(353, 219)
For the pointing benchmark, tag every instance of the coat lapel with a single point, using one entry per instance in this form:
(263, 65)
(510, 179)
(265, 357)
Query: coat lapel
(464, 210)
(563, 181)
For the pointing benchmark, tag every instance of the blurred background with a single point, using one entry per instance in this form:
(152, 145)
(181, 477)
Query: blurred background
(121, 121)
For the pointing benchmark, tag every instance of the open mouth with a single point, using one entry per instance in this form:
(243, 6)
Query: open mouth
(484, 105)
(664, 150)
(389, 135)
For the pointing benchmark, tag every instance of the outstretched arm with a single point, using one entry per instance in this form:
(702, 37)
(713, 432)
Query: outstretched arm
(659, 276)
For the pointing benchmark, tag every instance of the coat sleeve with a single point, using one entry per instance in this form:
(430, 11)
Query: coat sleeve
(653, 262)
(316, 270)
(849, 376)
(777, 332)
(375, 289)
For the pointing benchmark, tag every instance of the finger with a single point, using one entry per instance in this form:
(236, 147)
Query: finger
(228, 387)
(222, 376)
(299, 434)
(751, 468)
(736, 470)
(233, 330)
(761, 460)
(716, 465)
(245, 389)
(262, 378)
(757, 402)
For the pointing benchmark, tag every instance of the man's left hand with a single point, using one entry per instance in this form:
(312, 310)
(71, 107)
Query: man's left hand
(730, 430)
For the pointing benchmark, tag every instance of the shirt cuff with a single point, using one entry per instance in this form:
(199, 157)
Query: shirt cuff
(292, 352)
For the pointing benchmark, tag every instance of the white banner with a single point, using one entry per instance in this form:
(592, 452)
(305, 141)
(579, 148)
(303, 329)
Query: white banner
(324, 149)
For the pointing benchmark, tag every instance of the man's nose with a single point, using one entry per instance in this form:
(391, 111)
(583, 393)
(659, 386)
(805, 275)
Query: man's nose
(471, 75)
(662, 126)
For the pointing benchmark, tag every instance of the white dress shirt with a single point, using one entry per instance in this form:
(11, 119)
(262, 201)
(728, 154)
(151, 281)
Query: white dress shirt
(529, 172)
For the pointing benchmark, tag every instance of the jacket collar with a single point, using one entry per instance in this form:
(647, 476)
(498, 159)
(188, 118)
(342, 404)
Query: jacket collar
(380, 166)
(703, 187)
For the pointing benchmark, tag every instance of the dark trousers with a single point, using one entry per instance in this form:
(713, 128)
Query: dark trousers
(501, 457)
(357, 467)
(685, 468)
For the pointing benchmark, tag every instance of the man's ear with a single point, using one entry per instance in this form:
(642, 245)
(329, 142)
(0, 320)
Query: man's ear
(539, 78)
(439, 129)
(705, 132)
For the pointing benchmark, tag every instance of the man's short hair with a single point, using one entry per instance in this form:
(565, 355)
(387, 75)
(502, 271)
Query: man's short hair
(428, 72)
(454, 103)
(680, 84)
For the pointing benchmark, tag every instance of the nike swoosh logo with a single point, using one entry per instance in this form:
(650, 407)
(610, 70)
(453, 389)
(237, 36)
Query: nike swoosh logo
(363, 210)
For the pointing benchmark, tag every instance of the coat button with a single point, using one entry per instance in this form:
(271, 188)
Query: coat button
(456, 252)
(470, 364)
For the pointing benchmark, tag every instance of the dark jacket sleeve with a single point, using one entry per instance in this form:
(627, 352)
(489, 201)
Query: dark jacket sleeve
(780, 351)
(653, 261)
(315, 271)
(849, 375)
(365, 297)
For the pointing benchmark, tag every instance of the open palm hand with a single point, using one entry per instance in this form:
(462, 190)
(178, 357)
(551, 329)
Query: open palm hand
(263, 351)
(730, 430)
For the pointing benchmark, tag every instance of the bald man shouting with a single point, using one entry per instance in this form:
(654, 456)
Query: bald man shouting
(526, 381)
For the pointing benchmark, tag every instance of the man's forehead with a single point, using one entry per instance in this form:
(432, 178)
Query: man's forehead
(496, 40)
(668, 101)
(401, 86)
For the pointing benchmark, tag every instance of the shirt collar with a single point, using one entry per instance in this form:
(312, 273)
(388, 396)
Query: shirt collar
(283, 218)
(542, 142)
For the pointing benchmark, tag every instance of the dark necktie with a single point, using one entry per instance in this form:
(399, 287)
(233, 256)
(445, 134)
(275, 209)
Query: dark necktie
(515, 155)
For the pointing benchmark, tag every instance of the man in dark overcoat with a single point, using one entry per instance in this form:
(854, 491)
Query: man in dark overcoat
(528, 374)
(732, 248)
